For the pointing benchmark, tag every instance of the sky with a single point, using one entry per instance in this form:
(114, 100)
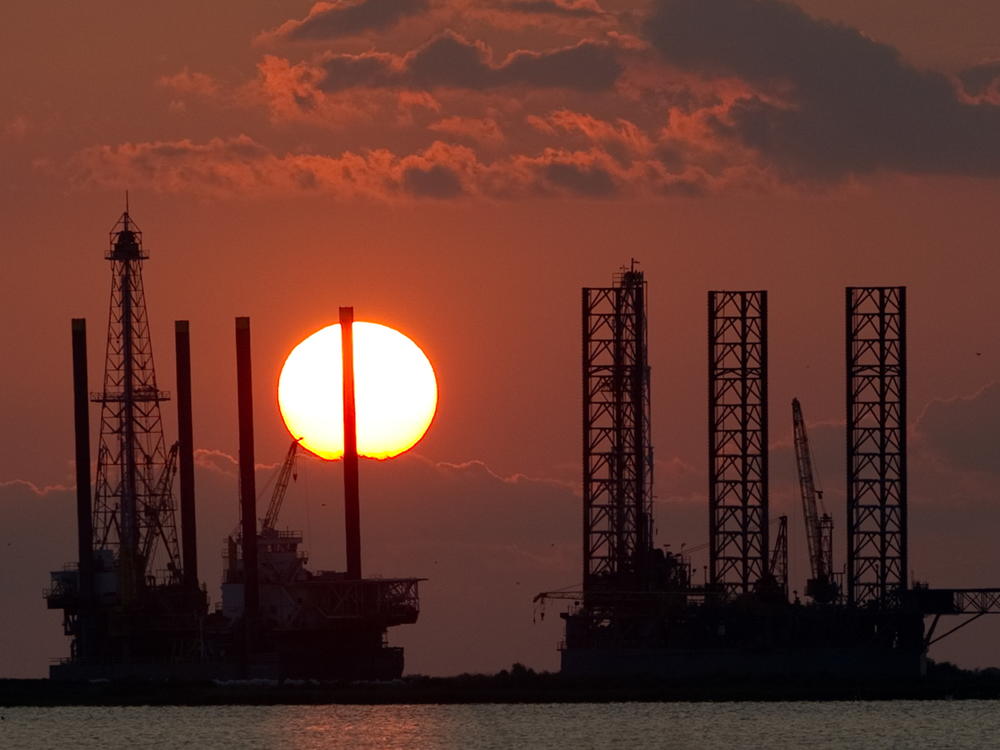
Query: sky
(459, 170)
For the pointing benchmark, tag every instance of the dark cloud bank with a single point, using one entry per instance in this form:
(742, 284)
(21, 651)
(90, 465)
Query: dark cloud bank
(804, 103)
(449, 60)
(349, 19)
(560, 8)
(855, 107)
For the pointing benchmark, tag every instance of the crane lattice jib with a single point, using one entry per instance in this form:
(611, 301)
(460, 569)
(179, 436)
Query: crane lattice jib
(280, 487)
(779, 556)
(807, 487)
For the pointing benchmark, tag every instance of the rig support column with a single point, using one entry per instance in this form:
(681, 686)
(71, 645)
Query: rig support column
(185, 437)
(617, 454)
(352, 503)
(876, 444)
(248, 483)
(737, 440)
(81, 421)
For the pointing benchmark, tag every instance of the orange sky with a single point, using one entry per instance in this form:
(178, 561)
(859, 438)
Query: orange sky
(549, 172)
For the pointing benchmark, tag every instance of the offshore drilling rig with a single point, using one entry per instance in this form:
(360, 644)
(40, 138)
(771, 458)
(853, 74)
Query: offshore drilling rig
(133, 605)
(131, 599)
(639, 612)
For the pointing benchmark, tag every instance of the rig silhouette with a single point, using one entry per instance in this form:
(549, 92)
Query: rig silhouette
(134, 607)
(133, 604)
(639, 612)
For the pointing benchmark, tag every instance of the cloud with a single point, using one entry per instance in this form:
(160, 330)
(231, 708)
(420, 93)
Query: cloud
(451, 61)
(483, 130)
(190, 82)
(623, 139)
(965, 431)
(560, 8)
(981, 82)
(432, 181)
(240, 166)
(717, 96)
(831, 102)
(327, 21)
(588, 179)
(24, 486)
(291, 94)
(564, 17)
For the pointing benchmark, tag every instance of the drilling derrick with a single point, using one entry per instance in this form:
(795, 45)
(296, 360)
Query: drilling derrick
(617, 474)
(133, 501)
(126, 604)
(737, 443)
(876, 444)
(629, 585)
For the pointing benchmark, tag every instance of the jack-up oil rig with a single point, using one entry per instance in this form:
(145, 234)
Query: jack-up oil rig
(639, 612)
(133, 604)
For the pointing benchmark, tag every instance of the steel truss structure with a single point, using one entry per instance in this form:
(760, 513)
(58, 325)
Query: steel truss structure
(617, 455)
(737, 442)
(876, 445)
(133, 498)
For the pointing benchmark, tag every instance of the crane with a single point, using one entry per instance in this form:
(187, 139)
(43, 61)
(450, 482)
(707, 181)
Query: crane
(819, 526)
(280, 486)
(267, 529)
(779, 558)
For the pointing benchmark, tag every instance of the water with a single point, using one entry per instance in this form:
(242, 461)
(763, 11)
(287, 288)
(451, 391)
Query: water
(893, 724)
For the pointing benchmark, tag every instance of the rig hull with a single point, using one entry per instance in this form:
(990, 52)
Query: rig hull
(745, 639)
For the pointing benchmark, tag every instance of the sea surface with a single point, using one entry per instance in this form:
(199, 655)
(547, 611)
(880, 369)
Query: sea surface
(889, 724)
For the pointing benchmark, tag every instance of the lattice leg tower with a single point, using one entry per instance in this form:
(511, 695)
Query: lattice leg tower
(876, 444)
(617, 456)
(737, 442)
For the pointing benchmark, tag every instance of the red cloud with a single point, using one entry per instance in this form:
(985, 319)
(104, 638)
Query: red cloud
(242, 167)
(190, 82)
(484, 130)
(451, 61)
(327, 21)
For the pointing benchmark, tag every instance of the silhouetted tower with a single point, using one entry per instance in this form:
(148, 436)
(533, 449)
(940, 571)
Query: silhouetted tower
(876, 444)
(133, 498)
(617, 455)
(737, 441)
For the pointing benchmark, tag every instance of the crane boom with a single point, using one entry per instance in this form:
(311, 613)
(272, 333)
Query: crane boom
(779, 557)
(280, 486)
(807, 486)
(819, 529)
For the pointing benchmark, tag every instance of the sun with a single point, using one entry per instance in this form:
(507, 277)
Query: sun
(395, 392)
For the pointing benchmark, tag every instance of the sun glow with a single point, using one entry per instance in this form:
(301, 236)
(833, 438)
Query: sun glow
(395, 392)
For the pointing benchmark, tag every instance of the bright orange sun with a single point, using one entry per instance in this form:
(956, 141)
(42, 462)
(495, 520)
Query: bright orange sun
(395, 392)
